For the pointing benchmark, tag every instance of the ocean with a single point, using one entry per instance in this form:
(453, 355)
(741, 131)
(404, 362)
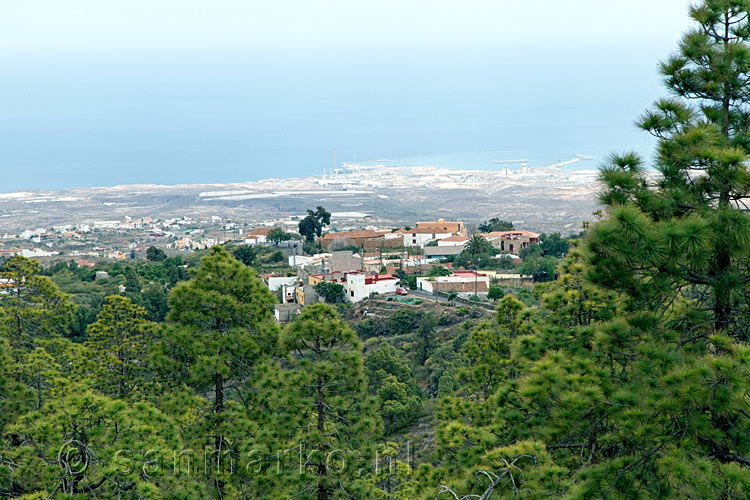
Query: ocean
(173, 117)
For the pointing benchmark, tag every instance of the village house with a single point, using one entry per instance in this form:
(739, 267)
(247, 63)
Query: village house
(453, 241)
(442, 226)
(337, 277)
(512, 242)
(364, 238)
(464, 283)
(359, 286)
(323, 263)
(433, 254)
(419, 237)
(276, 282)
(257, 236)
(306, 295)
(284, 313)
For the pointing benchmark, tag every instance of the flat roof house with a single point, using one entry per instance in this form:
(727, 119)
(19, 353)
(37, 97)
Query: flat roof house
(359, 286)
(512, 241)
(443, 226)
(437, 253)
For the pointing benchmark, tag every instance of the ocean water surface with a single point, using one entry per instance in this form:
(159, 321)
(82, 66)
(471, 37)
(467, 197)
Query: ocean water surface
(170, 117)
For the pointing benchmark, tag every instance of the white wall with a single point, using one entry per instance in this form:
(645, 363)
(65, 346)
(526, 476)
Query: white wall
(443, 243)
(274, 283)
(421, 239)
(357, 290)
(426, 284)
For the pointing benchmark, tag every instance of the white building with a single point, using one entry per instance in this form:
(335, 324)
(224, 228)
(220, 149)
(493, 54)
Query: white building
(254, 240)
(276, 282)
(359, 286)
(36, 252)
(453, 241)
(300, 260)
(420, 237)
(461, 282)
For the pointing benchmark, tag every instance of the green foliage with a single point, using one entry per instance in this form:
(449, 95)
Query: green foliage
(333, 293)
(277, 235)
(689, 229)
(539, 268)
(390, 379)
(425, 337)
(403, 321)
(477, 245)
(439, 271)
(495, 292)
(330, 408)
(411, 282)
(118, 340)
(495, 224)
(155, 254)
(311, 247)
(34, 306)
(626, 377)
(553, 245)
(219, 329)
(313, 224)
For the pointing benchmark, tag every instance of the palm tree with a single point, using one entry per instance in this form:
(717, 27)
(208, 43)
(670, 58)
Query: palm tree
(477, 245)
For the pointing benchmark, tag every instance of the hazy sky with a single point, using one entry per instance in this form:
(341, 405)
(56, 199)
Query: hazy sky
(100, 92)
(90, 25)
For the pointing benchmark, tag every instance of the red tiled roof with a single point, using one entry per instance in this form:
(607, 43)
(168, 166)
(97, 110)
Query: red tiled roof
(260, 231)
(369, 280)
(455, 238)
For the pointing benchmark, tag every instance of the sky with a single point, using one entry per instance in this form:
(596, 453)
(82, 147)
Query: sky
(101, 92)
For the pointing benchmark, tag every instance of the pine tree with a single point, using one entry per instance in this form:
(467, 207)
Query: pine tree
(390, 379)
(426, 337)
(219, 329)
(688, 230)
(118, 340)
(327, 391)
(35, 306)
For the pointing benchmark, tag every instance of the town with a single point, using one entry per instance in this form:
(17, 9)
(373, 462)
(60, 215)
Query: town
(318, 256)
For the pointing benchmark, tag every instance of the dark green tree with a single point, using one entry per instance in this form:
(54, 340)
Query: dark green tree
(34, 307)
(403, 321)
(219, 328)
(277, 235)
(439, 271)
(539, 268)
(155, 254)
(328, 394)
(313, 224)
(495, 292)
(495, 224)
(132, 283)
(688, 228)
(333, 293)
(426, 337)
(245, 254)
(154, 300)
(390, 379)
(118, 340)
(553, 245)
